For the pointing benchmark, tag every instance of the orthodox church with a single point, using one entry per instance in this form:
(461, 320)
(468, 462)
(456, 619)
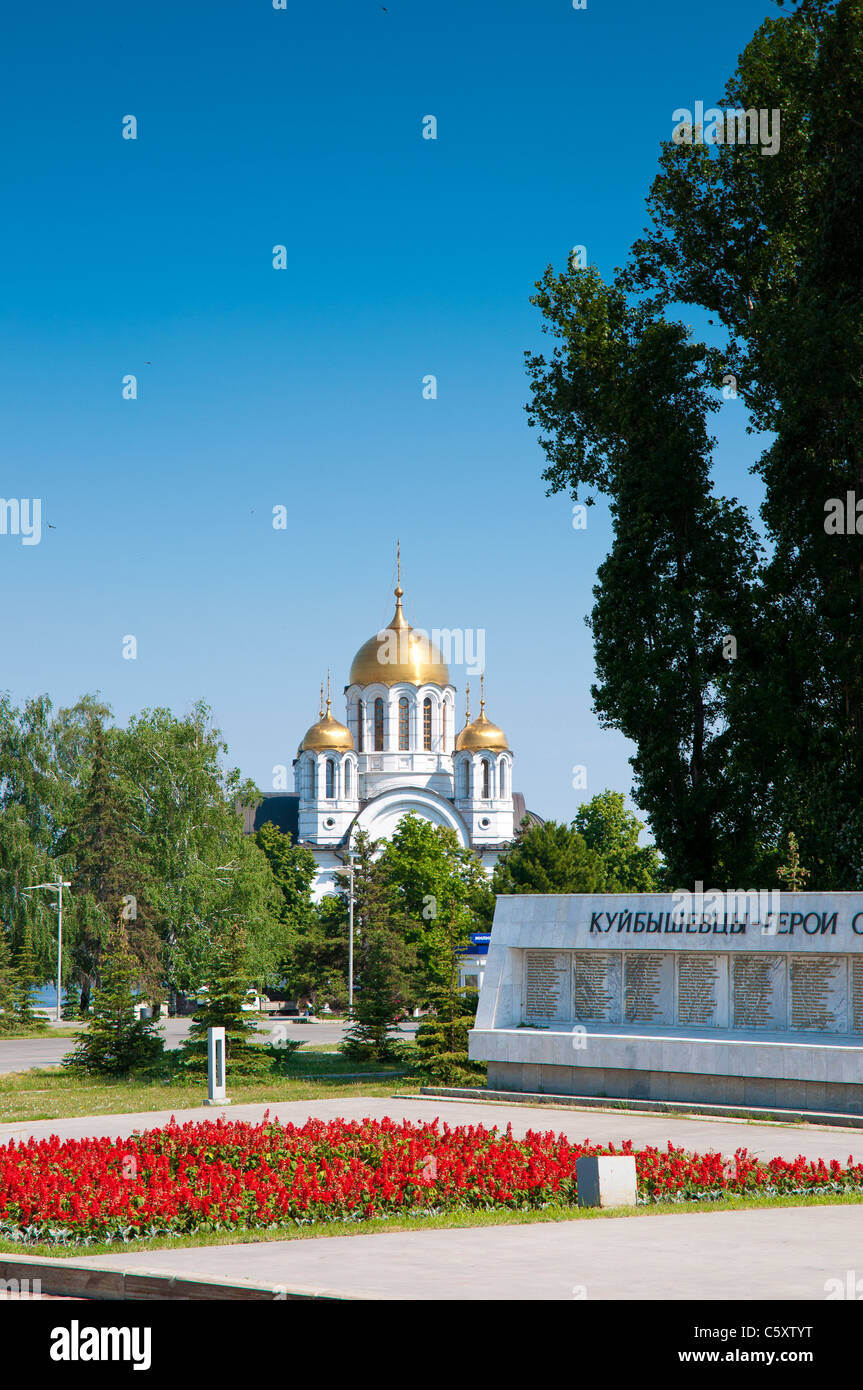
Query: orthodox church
(398, 751)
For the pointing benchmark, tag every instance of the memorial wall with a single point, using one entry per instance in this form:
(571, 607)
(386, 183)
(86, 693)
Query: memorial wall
(752, 1000)
(694, 990)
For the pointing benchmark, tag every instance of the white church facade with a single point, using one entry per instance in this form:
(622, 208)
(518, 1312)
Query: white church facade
(398, 751)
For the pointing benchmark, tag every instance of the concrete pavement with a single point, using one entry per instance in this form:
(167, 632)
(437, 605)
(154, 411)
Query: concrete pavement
(24, 1053)
(767, 1141)
(790, 1253)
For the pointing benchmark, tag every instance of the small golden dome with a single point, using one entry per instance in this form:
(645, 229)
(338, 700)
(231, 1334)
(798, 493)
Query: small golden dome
(398, 653)
(328, 735)
(480, 735)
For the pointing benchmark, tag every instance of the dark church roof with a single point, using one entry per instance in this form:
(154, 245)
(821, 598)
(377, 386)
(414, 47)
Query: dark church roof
(281, 808)
(520, 811)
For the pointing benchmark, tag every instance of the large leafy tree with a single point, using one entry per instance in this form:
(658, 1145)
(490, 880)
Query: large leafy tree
(110, 873)
(44, 758)
(314, 940)
(204, 872)
(612, 832)
(439, 893)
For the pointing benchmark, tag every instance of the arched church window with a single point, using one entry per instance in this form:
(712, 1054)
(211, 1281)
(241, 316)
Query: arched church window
(503, 790)
(379, 726)
(427, 713)
(359, 726)
(464, 777)
(486, 779)
(331, 778)
(347, 781)
(310, 779)
(404, 723)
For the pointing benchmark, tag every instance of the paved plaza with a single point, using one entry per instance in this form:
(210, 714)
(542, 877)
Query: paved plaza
(789, 1253)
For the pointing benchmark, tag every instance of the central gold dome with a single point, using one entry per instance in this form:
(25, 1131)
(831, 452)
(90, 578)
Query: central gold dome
(398, 654)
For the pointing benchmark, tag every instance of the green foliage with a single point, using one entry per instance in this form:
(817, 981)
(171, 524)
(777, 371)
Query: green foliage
(624, 403)
(385, 963)
(437, 892)
(148, 814)
(7, 985)
(772, 248)
(109, 869)
(442, 1040)
(314, 939)
(383, 987)
(26, 980)
(203, 872)
(226, 993)
(612, 832)
(549, 858)
(115, 1042)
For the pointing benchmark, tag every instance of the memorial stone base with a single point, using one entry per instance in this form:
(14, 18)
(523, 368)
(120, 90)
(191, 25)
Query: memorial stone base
(616, 1083)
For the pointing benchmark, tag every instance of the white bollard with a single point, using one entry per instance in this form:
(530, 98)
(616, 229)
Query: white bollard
(216, 1067)
(606, 1180)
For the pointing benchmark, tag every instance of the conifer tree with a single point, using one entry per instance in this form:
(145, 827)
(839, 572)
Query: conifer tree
(115, 1042)
(385, 962)
(25, 981)
(8, 1021)
(226, 993)
(384, 986)
(442, 1040)
(549, 858)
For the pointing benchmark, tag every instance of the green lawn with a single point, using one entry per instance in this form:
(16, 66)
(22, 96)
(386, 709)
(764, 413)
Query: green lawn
(55, 1094)
(70, 1031)
(449, 1220)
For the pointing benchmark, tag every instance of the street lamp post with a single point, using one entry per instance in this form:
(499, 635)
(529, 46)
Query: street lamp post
(351, 943)
(58, 889)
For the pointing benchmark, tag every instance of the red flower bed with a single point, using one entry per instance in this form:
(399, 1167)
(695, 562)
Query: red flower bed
(228, 1175)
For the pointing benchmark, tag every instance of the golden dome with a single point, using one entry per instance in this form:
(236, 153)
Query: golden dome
(398, 653)
(328, 735)
(480, 735)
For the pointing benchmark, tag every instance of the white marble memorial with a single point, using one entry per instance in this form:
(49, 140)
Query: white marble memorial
(732, 999)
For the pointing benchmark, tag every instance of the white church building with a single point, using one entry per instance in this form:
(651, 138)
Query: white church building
(398, 750)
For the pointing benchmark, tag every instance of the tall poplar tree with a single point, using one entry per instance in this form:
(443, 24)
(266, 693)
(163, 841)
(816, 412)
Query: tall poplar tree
(623, 404)
(772, 247)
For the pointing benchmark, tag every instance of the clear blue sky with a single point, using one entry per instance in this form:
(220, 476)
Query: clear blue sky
(303, 387)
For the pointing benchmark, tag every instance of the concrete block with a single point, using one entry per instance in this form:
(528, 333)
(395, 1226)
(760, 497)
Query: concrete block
(606, 1181)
